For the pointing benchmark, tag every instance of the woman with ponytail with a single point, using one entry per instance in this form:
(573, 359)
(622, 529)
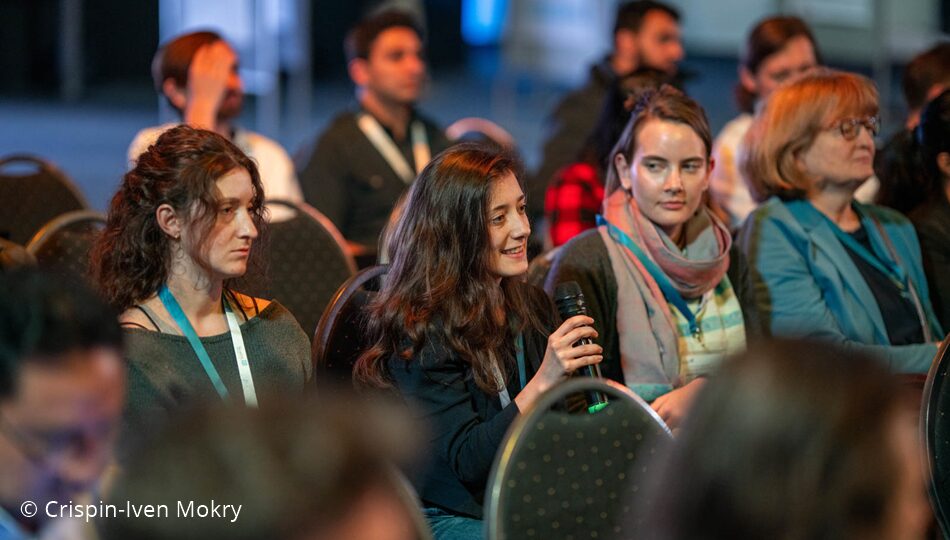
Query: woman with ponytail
(654, 270)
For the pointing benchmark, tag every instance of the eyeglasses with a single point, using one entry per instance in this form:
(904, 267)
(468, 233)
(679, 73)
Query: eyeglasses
(850, 127)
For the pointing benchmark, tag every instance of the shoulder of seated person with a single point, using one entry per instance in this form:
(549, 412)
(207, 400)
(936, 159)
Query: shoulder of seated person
(248, 303)
(135, 319)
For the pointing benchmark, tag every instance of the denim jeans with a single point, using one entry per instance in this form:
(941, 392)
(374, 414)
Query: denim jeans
(446, 526)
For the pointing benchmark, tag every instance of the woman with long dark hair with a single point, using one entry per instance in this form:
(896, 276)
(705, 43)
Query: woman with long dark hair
(458, 333)
(777, 50)
(182, 227)
(932, 219)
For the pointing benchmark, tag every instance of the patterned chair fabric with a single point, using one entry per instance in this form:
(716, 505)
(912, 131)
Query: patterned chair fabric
(306, 262)
(340, 337)
(30, 199)
(62, 246)
(573, 475)
(935, 427)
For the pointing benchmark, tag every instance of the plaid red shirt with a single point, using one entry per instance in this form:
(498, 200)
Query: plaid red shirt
(573, 201)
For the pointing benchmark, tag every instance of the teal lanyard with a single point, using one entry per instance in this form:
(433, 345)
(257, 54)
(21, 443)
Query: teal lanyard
(519, 348)
(672, 295)
(174, 309)
(878, 259)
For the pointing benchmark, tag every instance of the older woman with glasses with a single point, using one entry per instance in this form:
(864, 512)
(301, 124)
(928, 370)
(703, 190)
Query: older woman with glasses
(821, 264)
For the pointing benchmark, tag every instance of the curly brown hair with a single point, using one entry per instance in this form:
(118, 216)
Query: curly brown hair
(131, 257)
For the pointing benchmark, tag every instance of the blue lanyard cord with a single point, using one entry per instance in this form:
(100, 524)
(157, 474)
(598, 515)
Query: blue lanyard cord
(522, 371)
(174, 309)
(672, 295)
(878, 259)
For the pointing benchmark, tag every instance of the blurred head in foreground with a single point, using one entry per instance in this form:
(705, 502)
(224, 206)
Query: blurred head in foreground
(299, 470)
(796, 440)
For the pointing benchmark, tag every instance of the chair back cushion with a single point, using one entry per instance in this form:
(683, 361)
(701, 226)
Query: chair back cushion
(30, 199)
(568, 474)
(340, 337)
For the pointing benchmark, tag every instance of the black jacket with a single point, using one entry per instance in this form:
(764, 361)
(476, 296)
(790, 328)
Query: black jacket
(466, 425)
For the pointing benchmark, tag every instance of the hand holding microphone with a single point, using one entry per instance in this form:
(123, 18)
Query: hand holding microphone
(571, 304)
(570, 348)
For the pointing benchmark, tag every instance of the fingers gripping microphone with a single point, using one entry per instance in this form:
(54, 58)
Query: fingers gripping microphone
(570, 302)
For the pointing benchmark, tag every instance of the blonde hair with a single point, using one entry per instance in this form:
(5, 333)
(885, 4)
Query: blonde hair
(788, 124)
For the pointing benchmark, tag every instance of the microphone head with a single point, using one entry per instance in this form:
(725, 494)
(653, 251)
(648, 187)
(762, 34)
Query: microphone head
(569, 299)
(568, 289)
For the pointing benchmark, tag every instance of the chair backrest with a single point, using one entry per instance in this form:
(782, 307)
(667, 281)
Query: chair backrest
(62, 246)
(410, 499)
(30, 199)
(463, 128)
(306, 262)
(340, 339)
(935, 432)
(562, 474)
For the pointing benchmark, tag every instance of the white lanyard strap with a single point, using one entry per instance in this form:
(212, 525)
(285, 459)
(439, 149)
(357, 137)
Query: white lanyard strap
(244, 367)
(390, 152)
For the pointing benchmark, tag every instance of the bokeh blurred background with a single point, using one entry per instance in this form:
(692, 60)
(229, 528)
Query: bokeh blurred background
(76, 85)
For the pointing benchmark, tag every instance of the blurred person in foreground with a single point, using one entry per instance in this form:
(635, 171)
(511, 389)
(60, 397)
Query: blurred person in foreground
(794, 440)
(62, 387)
(291, 470)
(821, 264)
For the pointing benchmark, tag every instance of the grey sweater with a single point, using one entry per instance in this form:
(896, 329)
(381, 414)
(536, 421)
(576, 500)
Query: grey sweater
(166, 377)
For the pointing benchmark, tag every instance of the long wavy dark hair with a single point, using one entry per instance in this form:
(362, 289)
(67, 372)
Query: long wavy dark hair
(439, 283)
(933, 138)
(131, 258)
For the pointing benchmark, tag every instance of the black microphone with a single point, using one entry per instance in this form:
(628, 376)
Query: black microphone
(570, 302)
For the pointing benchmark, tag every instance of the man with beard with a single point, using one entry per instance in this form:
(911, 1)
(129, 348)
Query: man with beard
(198, 75)
(363, 161)
(646, 35)
(62, 388)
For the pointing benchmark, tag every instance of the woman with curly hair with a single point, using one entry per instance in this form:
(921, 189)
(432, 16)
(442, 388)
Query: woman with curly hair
(181, 228)
(458, 332)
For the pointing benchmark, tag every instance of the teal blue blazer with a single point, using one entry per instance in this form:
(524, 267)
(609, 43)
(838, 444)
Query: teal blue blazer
(802, 282)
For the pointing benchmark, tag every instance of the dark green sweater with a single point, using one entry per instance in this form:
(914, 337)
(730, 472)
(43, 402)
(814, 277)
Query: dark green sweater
(166, 377)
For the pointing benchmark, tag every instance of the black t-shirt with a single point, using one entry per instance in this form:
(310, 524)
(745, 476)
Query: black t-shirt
(897, 308)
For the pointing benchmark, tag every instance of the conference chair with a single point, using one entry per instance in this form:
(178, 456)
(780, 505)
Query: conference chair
(32, 192)
(340, 336)
(62, 246)
(563, 474)
(306, 261)
(935, 431)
